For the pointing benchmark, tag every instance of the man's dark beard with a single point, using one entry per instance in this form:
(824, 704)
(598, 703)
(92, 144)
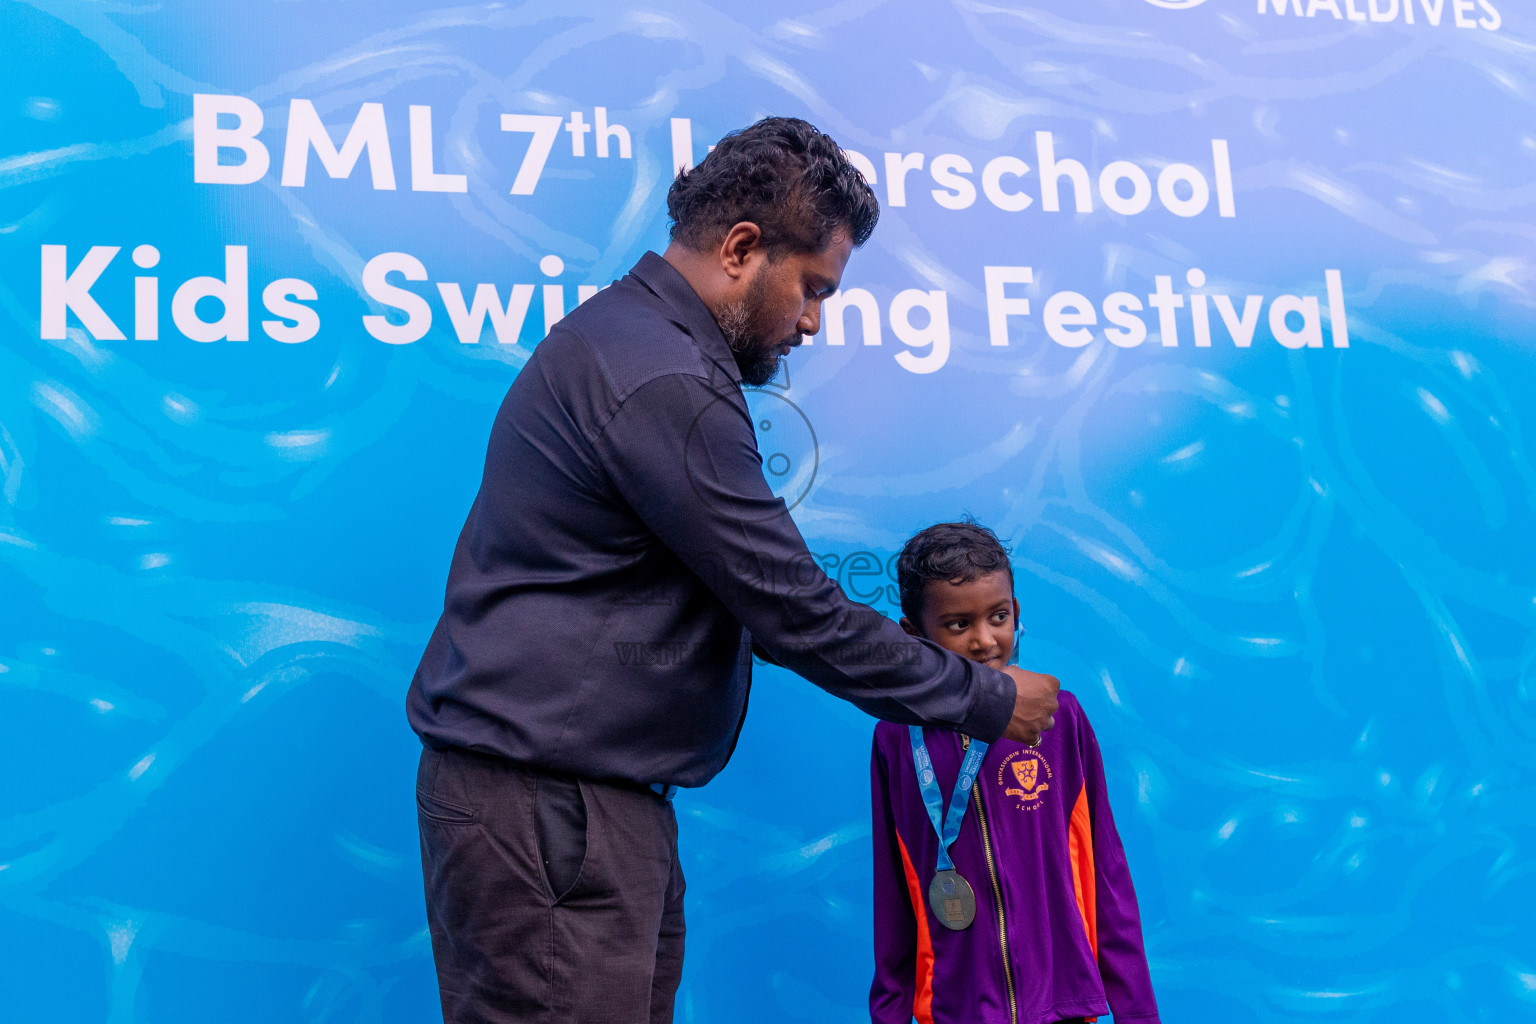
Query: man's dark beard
(756, 358)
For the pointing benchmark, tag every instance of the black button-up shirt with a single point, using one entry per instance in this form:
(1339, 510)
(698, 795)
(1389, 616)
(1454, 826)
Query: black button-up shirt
(625, 551)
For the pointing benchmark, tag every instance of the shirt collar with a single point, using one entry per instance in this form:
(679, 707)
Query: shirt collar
(689, 311)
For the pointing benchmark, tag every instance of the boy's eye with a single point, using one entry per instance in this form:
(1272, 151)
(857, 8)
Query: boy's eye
(958, 626)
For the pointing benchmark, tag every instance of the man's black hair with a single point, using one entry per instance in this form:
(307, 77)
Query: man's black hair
(947, 552)
(783, 175)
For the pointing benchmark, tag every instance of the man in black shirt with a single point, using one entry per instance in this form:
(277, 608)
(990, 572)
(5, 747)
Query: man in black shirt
(622, 559)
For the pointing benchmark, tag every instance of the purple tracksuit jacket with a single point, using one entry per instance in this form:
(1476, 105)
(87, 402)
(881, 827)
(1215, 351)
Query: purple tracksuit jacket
(1057, 933)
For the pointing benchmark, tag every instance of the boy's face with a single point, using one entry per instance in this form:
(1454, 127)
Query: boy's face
(975, 619)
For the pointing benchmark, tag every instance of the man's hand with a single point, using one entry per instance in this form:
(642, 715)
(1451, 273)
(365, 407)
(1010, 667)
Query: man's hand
(1034, 707)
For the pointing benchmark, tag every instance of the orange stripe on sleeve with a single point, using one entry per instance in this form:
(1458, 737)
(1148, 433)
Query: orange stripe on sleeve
(922, 1002)
(1080, 848)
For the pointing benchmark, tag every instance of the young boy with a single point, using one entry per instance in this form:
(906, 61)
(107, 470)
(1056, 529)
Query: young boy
(1028, 917)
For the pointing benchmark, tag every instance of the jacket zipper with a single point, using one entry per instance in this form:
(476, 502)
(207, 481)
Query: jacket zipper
(997, 895)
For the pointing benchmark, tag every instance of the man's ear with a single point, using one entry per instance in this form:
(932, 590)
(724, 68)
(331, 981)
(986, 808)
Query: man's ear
(906, 624)
(741, 244)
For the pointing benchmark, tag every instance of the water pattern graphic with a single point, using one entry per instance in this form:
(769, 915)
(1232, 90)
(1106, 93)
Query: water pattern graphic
(1294, 589)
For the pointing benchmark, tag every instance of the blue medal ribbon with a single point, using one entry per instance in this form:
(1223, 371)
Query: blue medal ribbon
(946, 825)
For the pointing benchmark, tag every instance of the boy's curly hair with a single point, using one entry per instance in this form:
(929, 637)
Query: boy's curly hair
(946, 552)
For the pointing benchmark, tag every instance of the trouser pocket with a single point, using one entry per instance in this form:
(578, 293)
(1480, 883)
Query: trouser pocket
(560, 825)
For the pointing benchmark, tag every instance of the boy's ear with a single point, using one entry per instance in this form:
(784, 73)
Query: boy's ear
(912, 630)
(1015, 613)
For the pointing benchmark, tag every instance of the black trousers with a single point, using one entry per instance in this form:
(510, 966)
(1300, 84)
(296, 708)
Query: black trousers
(550, 899)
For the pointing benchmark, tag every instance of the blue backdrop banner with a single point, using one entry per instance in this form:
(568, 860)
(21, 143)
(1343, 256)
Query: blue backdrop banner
(1220, 312)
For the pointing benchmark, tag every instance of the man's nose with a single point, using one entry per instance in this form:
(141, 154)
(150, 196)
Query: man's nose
(810, 319)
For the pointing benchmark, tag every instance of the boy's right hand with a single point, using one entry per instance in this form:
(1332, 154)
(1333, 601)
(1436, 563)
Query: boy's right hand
(1034, 706)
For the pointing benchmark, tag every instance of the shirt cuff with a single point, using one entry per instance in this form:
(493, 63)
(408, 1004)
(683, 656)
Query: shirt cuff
(992, 708)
